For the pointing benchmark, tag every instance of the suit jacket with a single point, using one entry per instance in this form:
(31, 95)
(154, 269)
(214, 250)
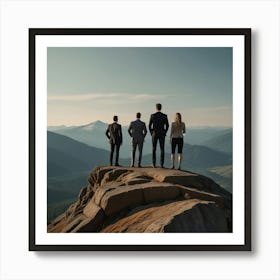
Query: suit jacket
(158, 124)
(137, 130)
(114, 133)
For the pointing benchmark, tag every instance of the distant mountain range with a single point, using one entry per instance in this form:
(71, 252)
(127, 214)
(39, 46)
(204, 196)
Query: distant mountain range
(221, 142)
(69, 162)
(93, 134)
(68, 158)
(66, 155)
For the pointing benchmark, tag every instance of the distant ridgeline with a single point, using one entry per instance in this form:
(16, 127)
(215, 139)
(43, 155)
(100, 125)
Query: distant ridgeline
(74, 151)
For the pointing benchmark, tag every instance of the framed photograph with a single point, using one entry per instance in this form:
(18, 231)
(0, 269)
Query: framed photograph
(140, 139)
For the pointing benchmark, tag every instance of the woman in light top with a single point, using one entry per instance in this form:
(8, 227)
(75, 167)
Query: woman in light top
(176, 139)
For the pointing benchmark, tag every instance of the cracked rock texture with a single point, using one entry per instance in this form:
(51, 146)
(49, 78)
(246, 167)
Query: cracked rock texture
(123, 199)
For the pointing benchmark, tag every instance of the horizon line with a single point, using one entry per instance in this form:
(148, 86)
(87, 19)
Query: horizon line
(88, 123)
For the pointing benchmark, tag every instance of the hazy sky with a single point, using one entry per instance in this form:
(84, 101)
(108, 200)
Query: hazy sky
(88, 84)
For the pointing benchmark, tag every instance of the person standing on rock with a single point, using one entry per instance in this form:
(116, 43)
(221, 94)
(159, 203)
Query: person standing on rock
(114, 134)
(137, 131)
(178, 128)
(158, 127)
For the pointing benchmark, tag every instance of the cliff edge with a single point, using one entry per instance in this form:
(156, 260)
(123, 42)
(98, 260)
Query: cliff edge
(123, 199)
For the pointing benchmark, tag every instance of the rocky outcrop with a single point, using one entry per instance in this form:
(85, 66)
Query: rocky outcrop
(119, 199)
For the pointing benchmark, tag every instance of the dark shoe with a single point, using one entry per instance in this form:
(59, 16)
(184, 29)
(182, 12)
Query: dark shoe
(132, 165)
(117, 164)
(179, 168)
(139, 165)
(154, 166)
(161, 166)
(172, 167)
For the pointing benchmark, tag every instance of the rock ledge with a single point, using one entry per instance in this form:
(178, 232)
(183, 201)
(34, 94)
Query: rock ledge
(122, 199)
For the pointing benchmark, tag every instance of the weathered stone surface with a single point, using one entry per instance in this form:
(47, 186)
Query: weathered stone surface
(72, 224)
(136, 177)
(188, 179)
(115, 199)
(95, 217)
(120, 199)
(58, 224)
(58, 220)
(113, 175)
(91, 209)
(155, 192)
(183, 216)
(99, 194)
(193, 193)
(90, 224)
(201, 217)
(96, 176)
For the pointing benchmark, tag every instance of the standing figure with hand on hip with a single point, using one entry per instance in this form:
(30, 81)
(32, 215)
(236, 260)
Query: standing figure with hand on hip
(137, 131)
(158, 127)
(114, 134)
(178, 128)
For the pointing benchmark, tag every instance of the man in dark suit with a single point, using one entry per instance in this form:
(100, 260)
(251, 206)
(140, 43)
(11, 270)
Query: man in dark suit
(158, 127)
(137, 131)
(114, 134)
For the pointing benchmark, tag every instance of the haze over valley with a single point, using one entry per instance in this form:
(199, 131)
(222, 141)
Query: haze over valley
(74, 151)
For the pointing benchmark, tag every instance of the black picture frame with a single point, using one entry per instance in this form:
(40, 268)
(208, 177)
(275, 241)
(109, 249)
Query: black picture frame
(246, 32)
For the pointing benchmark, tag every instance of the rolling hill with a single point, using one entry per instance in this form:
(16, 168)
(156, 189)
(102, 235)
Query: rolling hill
(66, 156)
(93, 134)
(222, 143)
(70, 161)
(201, 135)
(194, 156)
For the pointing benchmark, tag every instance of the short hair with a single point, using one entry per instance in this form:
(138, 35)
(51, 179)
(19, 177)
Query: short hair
(138, 115)
(158, 106)
(115, 118)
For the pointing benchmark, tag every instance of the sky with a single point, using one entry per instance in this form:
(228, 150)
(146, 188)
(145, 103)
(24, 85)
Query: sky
(89, 84)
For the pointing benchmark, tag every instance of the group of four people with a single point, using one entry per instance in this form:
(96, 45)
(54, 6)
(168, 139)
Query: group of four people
(158, 127)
